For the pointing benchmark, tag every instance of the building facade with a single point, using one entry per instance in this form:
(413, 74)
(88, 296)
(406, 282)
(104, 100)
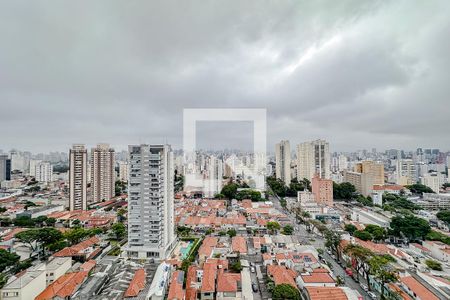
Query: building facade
(78, 177)
(283, 161)
(151, 232)
(103, 173)
(313, 158)
(43, 172)
(5, 167)
(322, 190)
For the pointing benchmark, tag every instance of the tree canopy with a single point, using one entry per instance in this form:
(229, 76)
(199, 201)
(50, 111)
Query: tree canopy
(343, 191)
(285, 291)
(418, 188)
(444, 216)
(411, 226)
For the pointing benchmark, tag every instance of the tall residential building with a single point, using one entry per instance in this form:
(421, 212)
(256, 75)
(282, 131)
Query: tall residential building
(406, 171)
(322, 190)
(283, 161)
(32, 166)
(43, 172)
(151, 232)
(433, 180)
(366, 175)
(103, 173)
(313, 158)
(213, 176)
(5, 167)
(373, 169)
(78, 177)
(123, 171)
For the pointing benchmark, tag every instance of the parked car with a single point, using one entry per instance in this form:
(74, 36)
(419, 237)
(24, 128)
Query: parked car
(364, 287)
(349, 272)
(252, 269)
(254, 287)
(372, 295)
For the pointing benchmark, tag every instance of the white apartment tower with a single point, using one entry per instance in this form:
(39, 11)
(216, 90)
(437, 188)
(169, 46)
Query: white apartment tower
(313, 158)
(151, 232)
(283, 161)
(43, 172)
(123, 171)
(78, 177)
(214, 176)
(103, 173)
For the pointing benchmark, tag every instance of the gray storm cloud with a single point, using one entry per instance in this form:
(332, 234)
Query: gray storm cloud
(361, 74)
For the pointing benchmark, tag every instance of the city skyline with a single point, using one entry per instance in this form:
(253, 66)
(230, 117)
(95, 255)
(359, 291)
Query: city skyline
(357, 73)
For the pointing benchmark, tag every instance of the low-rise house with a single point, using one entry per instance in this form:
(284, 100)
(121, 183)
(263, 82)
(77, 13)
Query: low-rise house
(64, 287)
(416, 289)
(328, 293)
(239, 244)
(176, 291)
(54, 268)
(228, 286)
(26, 286)
(85, 250)
(136, 285)
(317, 278)
(282, 275)
(439, 250)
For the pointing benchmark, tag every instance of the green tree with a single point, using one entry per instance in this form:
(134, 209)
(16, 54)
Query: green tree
(434, 265)
(118, 230)
(231, 232)
(382, 271)
(39, 221)
(418, 188)
(350, 228)
(7, 259)
(333, 241)
(219, 196)
(230, 190)
(277, 186)
(411, 226)
(50, 221)
(343, 191)
(30, 237)
(285, 291)
(363, 235)
(248, 194)
(288, 230)
(273, 226)
(361, 256)
(444, 216)
(23, 221)
(76, 235)
(437, 236)
(236, 267)
(378, 233)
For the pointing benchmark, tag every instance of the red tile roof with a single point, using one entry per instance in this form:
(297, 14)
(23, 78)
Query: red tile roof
(191, 281)
(227, 282)
(88, 266)
(326, 293)
(281, 274)
(137, 284)
(317, 278)
(209, 277)
(64, 286)
(176, 291)
(78, 249)
(239, 244)
(421, 291)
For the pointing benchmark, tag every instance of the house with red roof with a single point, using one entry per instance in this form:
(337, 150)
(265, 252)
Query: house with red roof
(137, 284)
(64, 287)
(317, 278)
(176, 291)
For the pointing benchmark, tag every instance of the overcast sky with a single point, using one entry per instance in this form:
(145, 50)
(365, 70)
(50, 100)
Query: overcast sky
(360, 74)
